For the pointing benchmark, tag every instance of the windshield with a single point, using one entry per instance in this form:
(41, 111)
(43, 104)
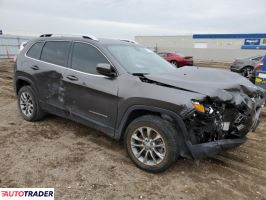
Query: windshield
(141, 60)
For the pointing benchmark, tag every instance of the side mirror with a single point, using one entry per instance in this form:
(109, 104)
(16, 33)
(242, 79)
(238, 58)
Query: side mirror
(105, 69)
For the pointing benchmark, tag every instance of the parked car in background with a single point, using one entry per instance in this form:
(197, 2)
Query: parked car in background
(245, 66)
(177, 59)
(258, 67)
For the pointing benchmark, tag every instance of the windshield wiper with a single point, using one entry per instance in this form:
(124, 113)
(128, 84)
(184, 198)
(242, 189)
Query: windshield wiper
(140, 74)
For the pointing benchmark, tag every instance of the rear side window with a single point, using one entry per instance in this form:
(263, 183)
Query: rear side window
(85, 58)
(35, 50)
(55, 52)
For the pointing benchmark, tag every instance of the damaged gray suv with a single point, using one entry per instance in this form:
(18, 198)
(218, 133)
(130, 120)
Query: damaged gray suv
(128, 92)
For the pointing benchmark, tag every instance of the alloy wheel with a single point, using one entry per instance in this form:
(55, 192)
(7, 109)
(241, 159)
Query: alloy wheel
(26, 104)
(247, 72)
(174, 63)
(148, 146)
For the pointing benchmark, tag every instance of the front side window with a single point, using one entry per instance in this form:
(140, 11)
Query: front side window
(35, 50)
(55, 52)
(85, 58)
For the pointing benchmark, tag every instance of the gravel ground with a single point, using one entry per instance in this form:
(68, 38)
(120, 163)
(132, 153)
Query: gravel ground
(81, 163)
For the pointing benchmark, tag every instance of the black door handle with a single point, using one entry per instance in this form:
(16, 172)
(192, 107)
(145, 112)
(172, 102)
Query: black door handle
(34, 67)
(72, 78)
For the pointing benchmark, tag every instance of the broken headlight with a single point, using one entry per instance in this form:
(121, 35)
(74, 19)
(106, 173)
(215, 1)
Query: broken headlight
(200, 107)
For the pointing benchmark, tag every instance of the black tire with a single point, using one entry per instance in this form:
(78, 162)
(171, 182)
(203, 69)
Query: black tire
(37, 113)
(168, 134)
(247, 72)
(173, 62)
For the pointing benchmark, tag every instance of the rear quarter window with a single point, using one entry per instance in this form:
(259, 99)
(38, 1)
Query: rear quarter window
(55, 52)
(35, 50)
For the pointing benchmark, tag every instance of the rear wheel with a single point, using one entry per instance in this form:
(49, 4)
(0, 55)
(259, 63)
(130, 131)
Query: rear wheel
(29, 105)
(151, 143)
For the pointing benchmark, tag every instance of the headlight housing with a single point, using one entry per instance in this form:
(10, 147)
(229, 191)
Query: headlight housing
(200, 107)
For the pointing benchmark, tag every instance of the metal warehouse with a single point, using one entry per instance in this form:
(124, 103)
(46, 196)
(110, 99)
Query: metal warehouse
(214, 47)
(9, 45)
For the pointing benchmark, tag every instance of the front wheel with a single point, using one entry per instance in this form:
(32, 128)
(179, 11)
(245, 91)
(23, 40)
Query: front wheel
(247, 72)
(151, 143)
(173, 62)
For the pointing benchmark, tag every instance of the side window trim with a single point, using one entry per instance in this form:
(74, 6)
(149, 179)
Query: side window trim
(69, 59)
(71, 53)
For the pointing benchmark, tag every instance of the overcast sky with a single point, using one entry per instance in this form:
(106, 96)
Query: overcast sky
(127, 18)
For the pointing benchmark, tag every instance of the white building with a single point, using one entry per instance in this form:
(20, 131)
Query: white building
(215, 47)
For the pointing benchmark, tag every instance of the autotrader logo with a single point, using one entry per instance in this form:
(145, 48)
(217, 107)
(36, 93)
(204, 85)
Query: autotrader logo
(26, 193)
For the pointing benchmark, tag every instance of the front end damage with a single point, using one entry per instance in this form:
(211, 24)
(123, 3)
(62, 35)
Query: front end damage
(218, 107)
(224, 121)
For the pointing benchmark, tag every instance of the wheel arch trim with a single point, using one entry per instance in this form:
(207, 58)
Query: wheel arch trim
(175, 116)
(27, 79)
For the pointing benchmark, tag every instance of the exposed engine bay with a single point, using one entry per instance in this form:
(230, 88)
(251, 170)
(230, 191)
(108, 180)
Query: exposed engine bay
(223, 120)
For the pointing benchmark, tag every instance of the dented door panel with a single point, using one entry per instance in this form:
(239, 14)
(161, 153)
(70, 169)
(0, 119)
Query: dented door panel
(51, 85)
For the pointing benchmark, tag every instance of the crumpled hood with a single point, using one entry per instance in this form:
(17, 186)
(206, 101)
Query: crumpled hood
(211, 82)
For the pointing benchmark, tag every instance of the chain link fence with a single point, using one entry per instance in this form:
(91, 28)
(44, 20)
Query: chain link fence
(9, 45)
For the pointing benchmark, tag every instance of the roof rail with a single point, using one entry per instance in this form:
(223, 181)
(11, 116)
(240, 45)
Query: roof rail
(91, 37)
(130, 41)
(46, 35)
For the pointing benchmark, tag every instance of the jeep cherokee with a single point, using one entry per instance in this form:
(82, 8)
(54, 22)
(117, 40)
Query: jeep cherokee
(131, 94)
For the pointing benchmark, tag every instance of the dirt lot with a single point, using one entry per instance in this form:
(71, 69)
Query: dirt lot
(81, 163)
